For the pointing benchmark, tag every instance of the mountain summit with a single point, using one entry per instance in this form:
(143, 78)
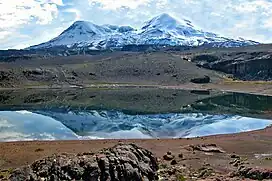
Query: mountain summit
(160, 30)
(166, 21)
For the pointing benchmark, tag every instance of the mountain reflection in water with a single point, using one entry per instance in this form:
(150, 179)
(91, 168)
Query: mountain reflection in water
(73, 125)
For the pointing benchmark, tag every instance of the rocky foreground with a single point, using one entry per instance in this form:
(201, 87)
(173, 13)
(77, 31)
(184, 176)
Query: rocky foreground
(128, 162)
(121, 162)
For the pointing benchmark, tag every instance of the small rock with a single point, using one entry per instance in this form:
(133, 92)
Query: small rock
(205, 172)
(174, 162)
(171, 171)
(241, 167)
(235, 156)
(168, 157)
(236, 162)
(180, 155)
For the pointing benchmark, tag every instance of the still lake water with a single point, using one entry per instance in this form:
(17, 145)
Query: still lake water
(94, 114)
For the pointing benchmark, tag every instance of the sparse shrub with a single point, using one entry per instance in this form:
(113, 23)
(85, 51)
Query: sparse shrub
(39, 150)
(181, 178)
(163, 166)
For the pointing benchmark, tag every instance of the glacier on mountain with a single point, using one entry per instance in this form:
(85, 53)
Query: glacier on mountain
(161, 30)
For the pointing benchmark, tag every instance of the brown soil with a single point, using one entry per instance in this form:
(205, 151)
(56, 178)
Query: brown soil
(248, 146)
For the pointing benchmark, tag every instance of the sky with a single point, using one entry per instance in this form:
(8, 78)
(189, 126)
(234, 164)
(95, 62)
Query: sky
(29, 22)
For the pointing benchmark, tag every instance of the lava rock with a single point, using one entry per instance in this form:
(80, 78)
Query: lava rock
(180, 155)
(4, 75)
(201, 80)
(236, 162)
(208, 148)
(39, 74)
(169, 153)
(254, 173)
(174, 162)
(168, 157)
(119, 163)
(235, 156)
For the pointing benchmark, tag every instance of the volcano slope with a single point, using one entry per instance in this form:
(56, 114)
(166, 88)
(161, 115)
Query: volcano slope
(154, 68)
(244, 69)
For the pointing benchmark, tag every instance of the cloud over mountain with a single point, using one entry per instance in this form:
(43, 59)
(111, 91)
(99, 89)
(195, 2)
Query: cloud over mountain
(27, 22)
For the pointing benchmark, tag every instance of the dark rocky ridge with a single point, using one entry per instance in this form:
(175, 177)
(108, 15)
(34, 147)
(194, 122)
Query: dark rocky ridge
(254, 173)
(242, 65)
(119, 163)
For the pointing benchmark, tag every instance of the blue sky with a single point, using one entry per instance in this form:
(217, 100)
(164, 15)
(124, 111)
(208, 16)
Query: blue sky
(27, 22)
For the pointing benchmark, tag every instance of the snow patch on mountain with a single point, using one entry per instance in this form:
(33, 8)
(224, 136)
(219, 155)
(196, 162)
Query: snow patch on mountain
(161, 30)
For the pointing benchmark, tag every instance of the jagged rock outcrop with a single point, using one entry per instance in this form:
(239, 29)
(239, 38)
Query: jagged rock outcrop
(201, 80)
(207, 148)
(241, 64)
(254, 173)
(120, 163)
(6, 78)
(4, 75)
(39, 74)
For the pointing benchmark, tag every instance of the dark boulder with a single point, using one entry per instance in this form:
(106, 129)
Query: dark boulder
(5, 75)
(201, 92)
(201, 80)
(205, 58)
(120, 163)
(254, 173)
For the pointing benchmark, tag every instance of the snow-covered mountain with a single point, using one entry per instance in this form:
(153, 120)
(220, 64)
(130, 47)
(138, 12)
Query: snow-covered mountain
(161, 30)
(82, 33)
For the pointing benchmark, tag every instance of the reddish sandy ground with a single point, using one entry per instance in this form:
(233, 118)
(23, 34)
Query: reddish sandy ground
(247, 145)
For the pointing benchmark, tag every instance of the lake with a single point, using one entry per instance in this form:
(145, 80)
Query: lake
(80, 114)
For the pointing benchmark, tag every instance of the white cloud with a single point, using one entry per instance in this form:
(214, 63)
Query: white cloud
(115, 4)
(14, 14)
(25, 40)
(254, 6)
(4, 34)
(268, 23)
(57, 2)
(250, 19)
(77, 13)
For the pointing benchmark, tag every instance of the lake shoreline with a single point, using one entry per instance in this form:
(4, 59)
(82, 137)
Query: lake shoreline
(247, 87)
